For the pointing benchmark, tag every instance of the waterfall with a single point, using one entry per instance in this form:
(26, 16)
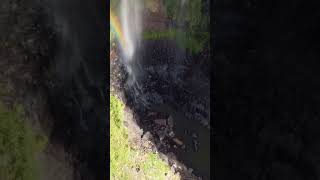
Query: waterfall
(130, 17)
(131, 24)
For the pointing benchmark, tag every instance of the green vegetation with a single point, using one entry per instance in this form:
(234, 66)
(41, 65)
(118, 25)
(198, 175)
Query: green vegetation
(156, 35)
(127, 163)
(18, 146)
(193, 43)
(194, 16)
(194, 37)
(196, 34)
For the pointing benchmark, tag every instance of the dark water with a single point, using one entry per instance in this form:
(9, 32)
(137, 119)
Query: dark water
(197, 159)
(78, 82)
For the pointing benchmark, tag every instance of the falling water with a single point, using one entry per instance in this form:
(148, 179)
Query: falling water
(131, 26)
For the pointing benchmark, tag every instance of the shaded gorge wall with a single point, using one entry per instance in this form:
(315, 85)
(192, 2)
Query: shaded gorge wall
(78, 81)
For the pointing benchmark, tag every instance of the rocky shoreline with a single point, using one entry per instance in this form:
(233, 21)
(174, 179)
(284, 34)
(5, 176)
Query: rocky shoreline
(156, 127)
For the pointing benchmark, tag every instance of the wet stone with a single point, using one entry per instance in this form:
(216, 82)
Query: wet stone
(170, 121)
(152, 113)
(195, 145)
(171, 134)
(161, 135)
(177, 141)
(161, 122)
(147, 135)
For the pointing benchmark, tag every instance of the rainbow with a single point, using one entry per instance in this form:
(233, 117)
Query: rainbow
(116, 28)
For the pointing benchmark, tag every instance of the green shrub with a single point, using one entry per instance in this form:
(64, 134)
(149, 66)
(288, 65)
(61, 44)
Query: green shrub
(18, 146)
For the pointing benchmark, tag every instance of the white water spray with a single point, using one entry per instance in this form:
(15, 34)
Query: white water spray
(131, 23)
(130, 17)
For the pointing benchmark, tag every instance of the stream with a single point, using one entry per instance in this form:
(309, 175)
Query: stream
(196, 154)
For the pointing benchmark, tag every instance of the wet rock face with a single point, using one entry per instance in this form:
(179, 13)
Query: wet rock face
(78, 89)
(165, 74)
